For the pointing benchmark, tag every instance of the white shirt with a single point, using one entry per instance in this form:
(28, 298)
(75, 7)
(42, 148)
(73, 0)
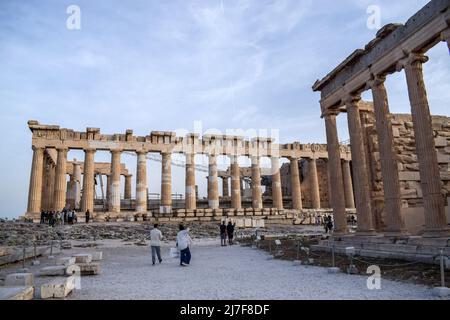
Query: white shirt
(155, 237)
(183, 239)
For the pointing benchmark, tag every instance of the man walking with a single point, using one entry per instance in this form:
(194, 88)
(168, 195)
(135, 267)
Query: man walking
(155, 243)
(230, 231)
(223, 234)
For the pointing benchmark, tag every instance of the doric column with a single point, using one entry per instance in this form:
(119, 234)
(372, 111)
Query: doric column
(166, 183)
(295, 185)
(114, 200)
(191, 200)
(141, 182)
(225, 187)
(348, 184)
(87, 199)
(235, 183)
(213, 200)
(389, 166)
(108, 189)
(60, 180)
(127, 191)
(35, 189)
(362, 190)
(314, 183)
(257, 202)
(277, 196)
(337, 197)
(435, 219)
(74, 186)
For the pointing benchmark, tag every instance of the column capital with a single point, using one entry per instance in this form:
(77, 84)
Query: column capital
(351, 100)
(89, 150)
(294, 158)
(376, 81)
(141, 152)
(63, 148)
(116, 151)
(411, 59)
(330, 113)
(37, 148)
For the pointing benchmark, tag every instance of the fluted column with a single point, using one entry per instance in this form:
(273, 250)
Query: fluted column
(141, 182)
(295, 185)
(127, 191)
(35, 188)
(361, 181)
(337, 196)
(191, 200)
(257, 202)
(277, 196)
(114, 201)
(87, 198)
(433, 201)
(314, 183)
(348, 184)
(225, 187)
(60, 180)
(389, 166)
(213, 200)
(235, 183)
(166, 183)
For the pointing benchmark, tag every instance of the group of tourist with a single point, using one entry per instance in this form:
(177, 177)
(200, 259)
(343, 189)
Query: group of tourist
(226, 231)
(328, 224)
(58, 217)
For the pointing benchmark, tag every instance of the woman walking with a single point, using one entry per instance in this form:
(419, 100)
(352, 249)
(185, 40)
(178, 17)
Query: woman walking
(183, 242)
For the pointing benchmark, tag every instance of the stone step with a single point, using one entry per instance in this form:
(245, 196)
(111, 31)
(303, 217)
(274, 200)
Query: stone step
(17, 293)
(58, 288)
(19, 280)
(53, 271)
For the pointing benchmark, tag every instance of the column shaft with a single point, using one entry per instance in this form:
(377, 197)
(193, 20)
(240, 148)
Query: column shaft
(114, 200)
(389, 166)
(141, 182)
(127, 191)
(362, 190)
(60, 181)
(257, 202)
(87, 198)
(335, 175)
(235, 183)
(225, 187)
(348, 185)
(191, 200)
(166, 183)
(433, 201)
(35, 188)
(295, 185)
(213, 200)
(314, 183)
(277, 196)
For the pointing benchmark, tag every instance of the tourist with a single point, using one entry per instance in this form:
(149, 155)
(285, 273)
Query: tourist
(352, 220)
(42, 217)
(61, 218)
(155, 243)
(325, 224)
(57, 218)
(75, 218)
(88, 216)
(183, 242)
(223, 234)
(230, 231)
(330, 224)
(70, 217)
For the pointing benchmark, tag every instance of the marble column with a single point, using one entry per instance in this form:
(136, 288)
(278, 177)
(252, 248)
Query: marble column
(277, 196)
(60, 180)
(389, 166)
(87, 199)
(257, 202)
(213, 200)
(166, 183)
(359, 166)
(235, 183)
(295, 185)
(337, 196)
(74, 191)
(225, 187)
(127, 191)
(348, 185)
(35, 188)
(433, 201)
(114, 200)
(191, 199)
(314, 183)
(141, 182)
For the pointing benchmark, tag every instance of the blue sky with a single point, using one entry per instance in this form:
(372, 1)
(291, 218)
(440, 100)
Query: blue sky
(162, 65)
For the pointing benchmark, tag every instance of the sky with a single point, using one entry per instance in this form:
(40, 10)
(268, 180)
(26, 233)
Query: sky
(178, 65)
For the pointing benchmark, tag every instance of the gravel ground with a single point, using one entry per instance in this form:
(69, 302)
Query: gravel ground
(226, 273)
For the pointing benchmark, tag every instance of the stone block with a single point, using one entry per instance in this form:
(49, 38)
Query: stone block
(53, 271)
(190, 213)
(19, 280)
(97, 255)
(240, 212)
(440, 142)
(218, 212)
(409, 176)
(17, 293)
(247, 223)
(58, 288)
(89, 269)
(266, 212)
(65, 261)
(209, 212)
(443, 158)
(200, 213)
(82, 258)
(257, 212)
